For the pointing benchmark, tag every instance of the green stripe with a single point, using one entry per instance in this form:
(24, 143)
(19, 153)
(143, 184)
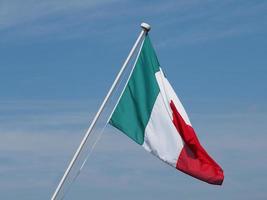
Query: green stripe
(136, 103)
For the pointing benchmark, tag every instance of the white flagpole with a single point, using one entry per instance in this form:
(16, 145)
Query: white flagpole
(145, 28)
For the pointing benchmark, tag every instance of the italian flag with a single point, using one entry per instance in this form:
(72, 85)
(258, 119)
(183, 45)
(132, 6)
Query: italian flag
(150, 113)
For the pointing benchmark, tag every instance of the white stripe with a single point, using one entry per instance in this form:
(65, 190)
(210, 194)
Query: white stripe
(167, 90)
(161, 137)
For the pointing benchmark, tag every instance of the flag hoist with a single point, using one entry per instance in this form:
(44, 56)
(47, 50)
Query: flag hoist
(150, 113)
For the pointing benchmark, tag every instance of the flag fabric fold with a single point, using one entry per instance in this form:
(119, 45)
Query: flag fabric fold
(150, 113)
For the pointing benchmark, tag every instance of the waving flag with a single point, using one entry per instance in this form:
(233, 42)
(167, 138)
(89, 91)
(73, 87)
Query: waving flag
(151, 114)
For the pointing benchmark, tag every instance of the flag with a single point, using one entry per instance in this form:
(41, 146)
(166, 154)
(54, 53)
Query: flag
(149, 112)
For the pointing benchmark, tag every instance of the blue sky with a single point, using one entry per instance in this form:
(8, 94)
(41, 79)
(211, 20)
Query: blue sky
(58, 59)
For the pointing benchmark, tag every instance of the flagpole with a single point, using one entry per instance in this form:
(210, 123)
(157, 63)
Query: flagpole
(145, 29)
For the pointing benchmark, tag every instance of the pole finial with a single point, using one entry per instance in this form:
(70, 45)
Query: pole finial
(146, 27)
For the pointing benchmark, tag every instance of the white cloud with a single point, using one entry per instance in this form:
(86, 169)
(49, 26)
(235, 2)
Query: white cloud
(187, 22)
(17, 12)
(213, 20)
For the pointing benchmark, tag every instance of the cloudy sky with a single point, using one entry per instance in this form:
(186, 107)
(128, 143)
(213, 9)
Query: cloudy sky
(58, 59)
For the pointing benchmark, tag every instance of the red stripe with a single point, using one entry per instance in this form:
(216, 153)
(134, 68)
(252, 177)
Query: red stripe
(193, 159)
